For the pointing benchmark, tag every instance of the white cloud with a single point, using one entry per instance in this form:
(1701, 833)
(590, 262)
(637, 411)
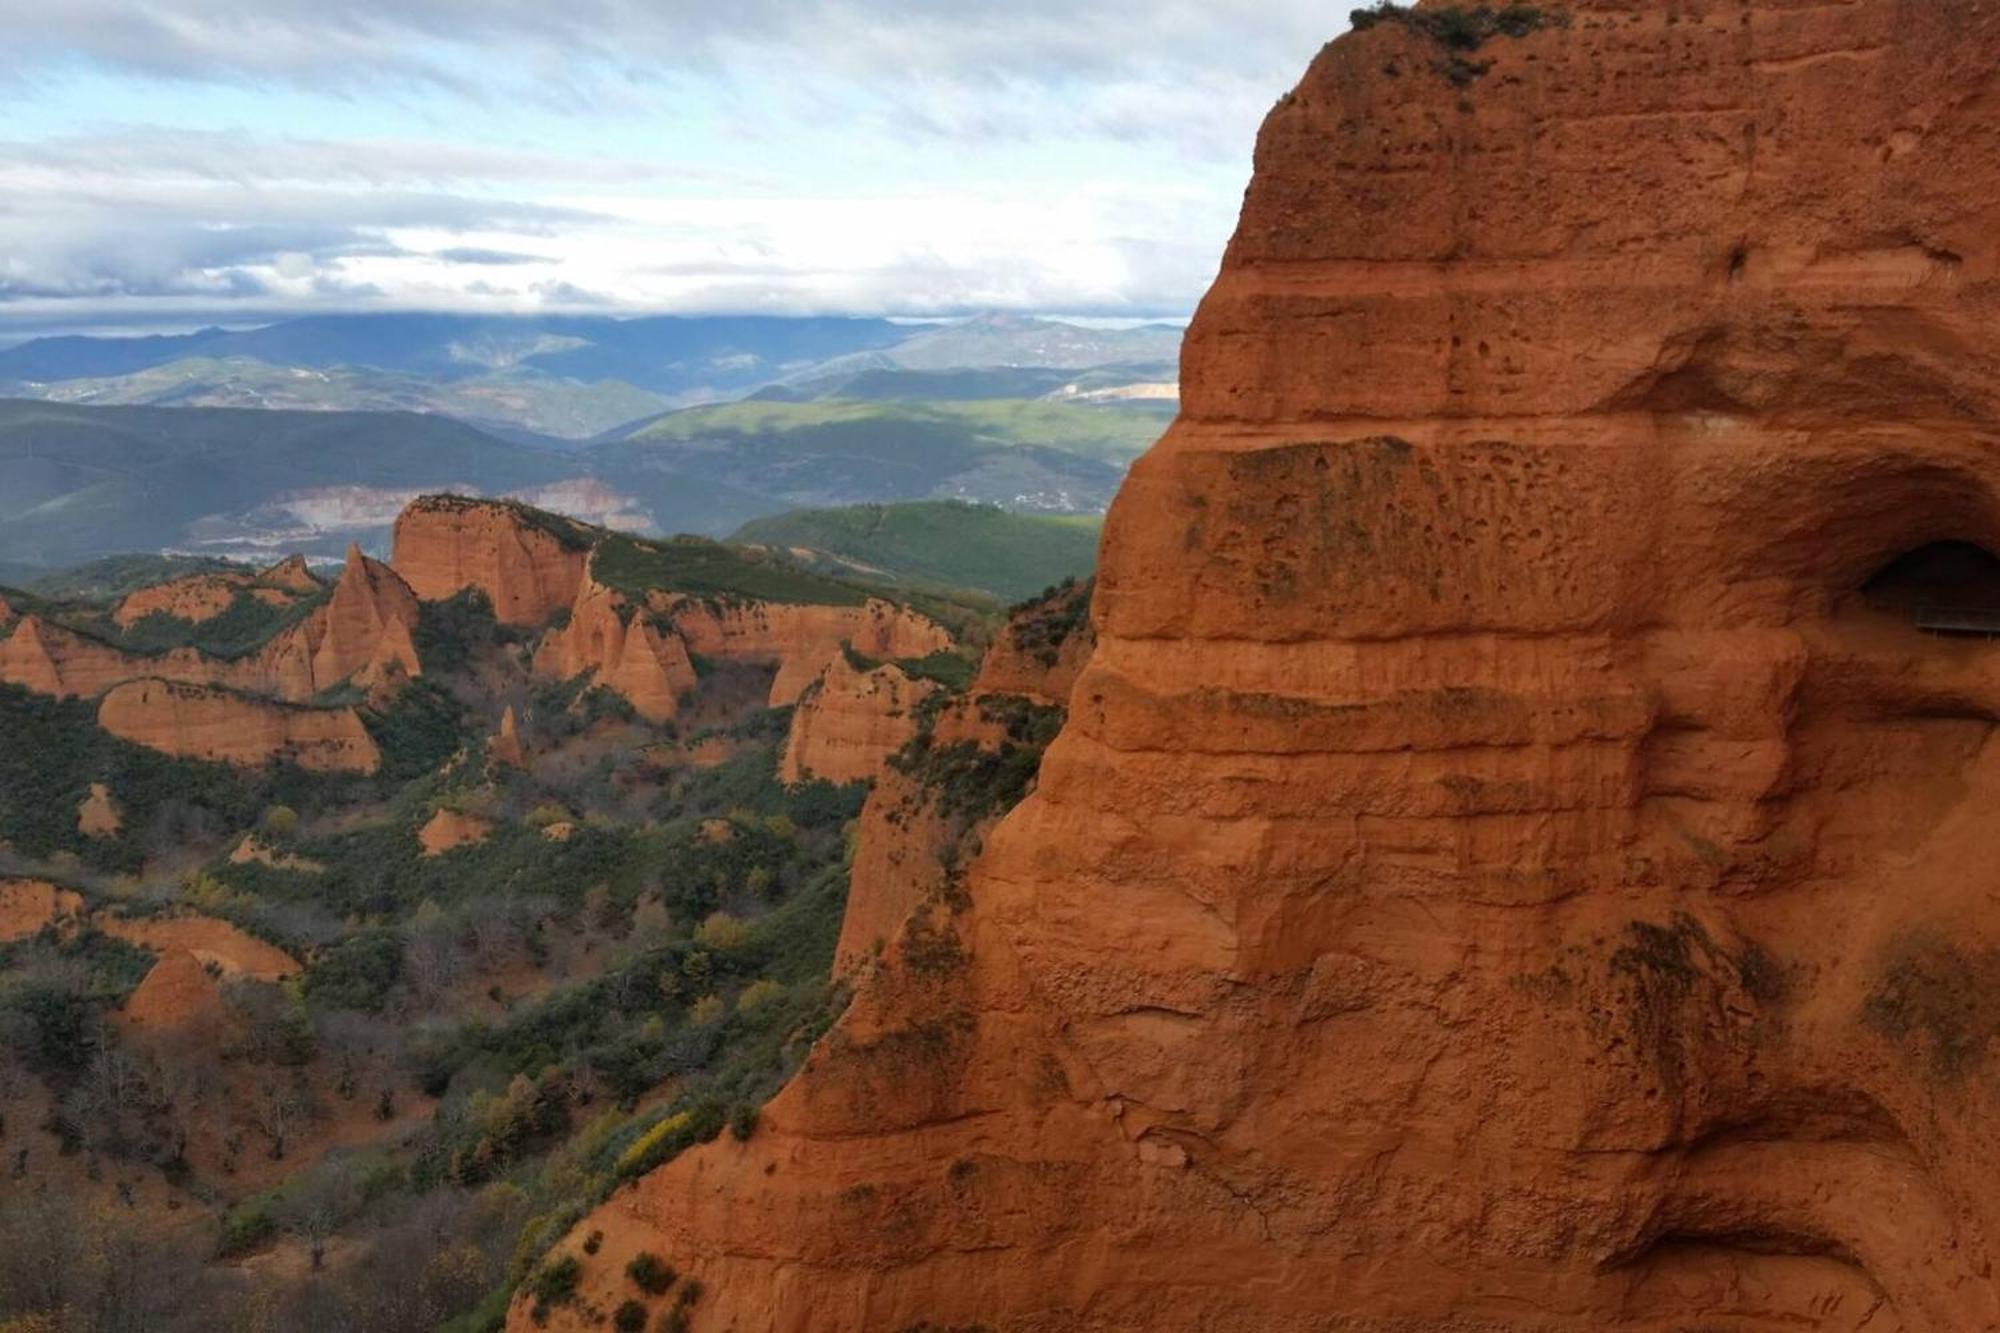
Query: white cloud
(1157, 98)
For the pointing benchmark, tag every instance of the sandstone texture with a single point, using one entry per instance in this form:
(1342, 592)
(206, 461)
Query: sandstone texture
(28, 906)
(97, 814)
(445, 544)
(799, 639)
(1043, 648)
(362, 634)
(849, 721)
(623, 648)
(504, 746)
(213, 943)
(197, 598)
(177, 995)
(202, 722)
(292, 573)
(448, 830)
(1513, 861)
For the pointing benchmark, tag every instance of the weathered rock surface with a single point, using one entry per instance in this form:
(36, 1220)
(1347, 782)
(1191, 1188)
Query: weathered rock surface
(801, 640)
(293, 573)
(202, 722)
(504, 746)
(363, 635)
(624, 648)
(97, 814)
(196, 598)
(228, 949)
(1500, 871)
(27, 906)
(849, 721)
(448, 830)
(445, 543)
(1042, 650)
(179, 995)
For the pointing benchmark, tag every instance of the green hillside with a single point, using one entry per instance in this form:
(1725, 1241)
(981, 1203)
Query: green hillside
(1115, 435)
(516, 398)
(1008, 555)
(77, 483)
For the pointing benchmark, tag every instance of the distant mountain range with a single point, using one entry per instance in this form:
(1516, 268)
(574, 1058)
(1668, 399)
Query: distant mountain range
(308, 434)
(78, 482)
(556, 377)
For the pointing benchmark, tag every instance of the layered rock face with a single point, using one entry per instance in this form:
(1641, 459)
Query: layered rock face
(444, 544)
(449, 830)
(850, 722)
(1510, 864)
(801, 640)
(202, 597)
(363, 634)
(201, 722)
(623, 648)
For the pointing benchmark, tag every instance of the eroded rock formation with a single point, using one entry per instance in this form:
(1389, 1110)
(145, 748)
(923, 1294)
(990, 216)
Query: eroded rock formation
(624, 649)
(850, 720)
(801, 640)
(449, 830)
(362, 634)
(198, 598)
(97, 814)
(29, 906)
(504, 746)
(1505, 868)
(445, 543)
(202, 722)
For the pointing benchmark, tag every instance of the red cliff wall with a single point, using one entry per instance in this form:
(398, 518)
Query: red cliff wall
(1497, 874)
(800, 639)
(850, 721)
(444, 544)
(200, 722)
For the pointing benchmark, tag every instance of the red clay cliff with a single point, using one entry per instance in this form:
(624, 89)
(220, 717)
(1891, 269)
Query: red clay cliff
(1516, 859)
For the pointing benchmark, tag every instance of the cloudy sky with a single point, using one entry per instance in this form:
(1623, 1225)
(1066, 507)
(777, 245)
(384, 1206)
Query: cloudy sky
(170, 160)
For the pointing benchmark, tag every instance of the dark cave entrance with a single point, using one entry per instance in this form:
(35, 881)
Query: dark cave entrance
(1945, 588)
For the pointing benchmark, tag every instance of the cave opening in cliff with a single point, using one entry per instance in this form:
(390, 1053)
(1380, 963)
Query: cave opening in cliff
(1947, 588)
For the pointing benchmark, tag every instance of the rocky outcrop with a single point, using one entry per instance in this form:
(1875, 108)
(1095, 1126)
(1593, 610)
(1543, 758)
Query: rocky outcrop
(849, 721)
(799, 639)
(915, 837)
(1423, 921)
(97, 814)
(29, 906)
(202, 722)
(292, 574)
(363, 634)
(7, 613)
(196, 598)
(51, 659)
(1042, 649)
(624, 649)
(216, 944)
(448, 830)
(444, 544)
(504, 746)
(179, 995)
